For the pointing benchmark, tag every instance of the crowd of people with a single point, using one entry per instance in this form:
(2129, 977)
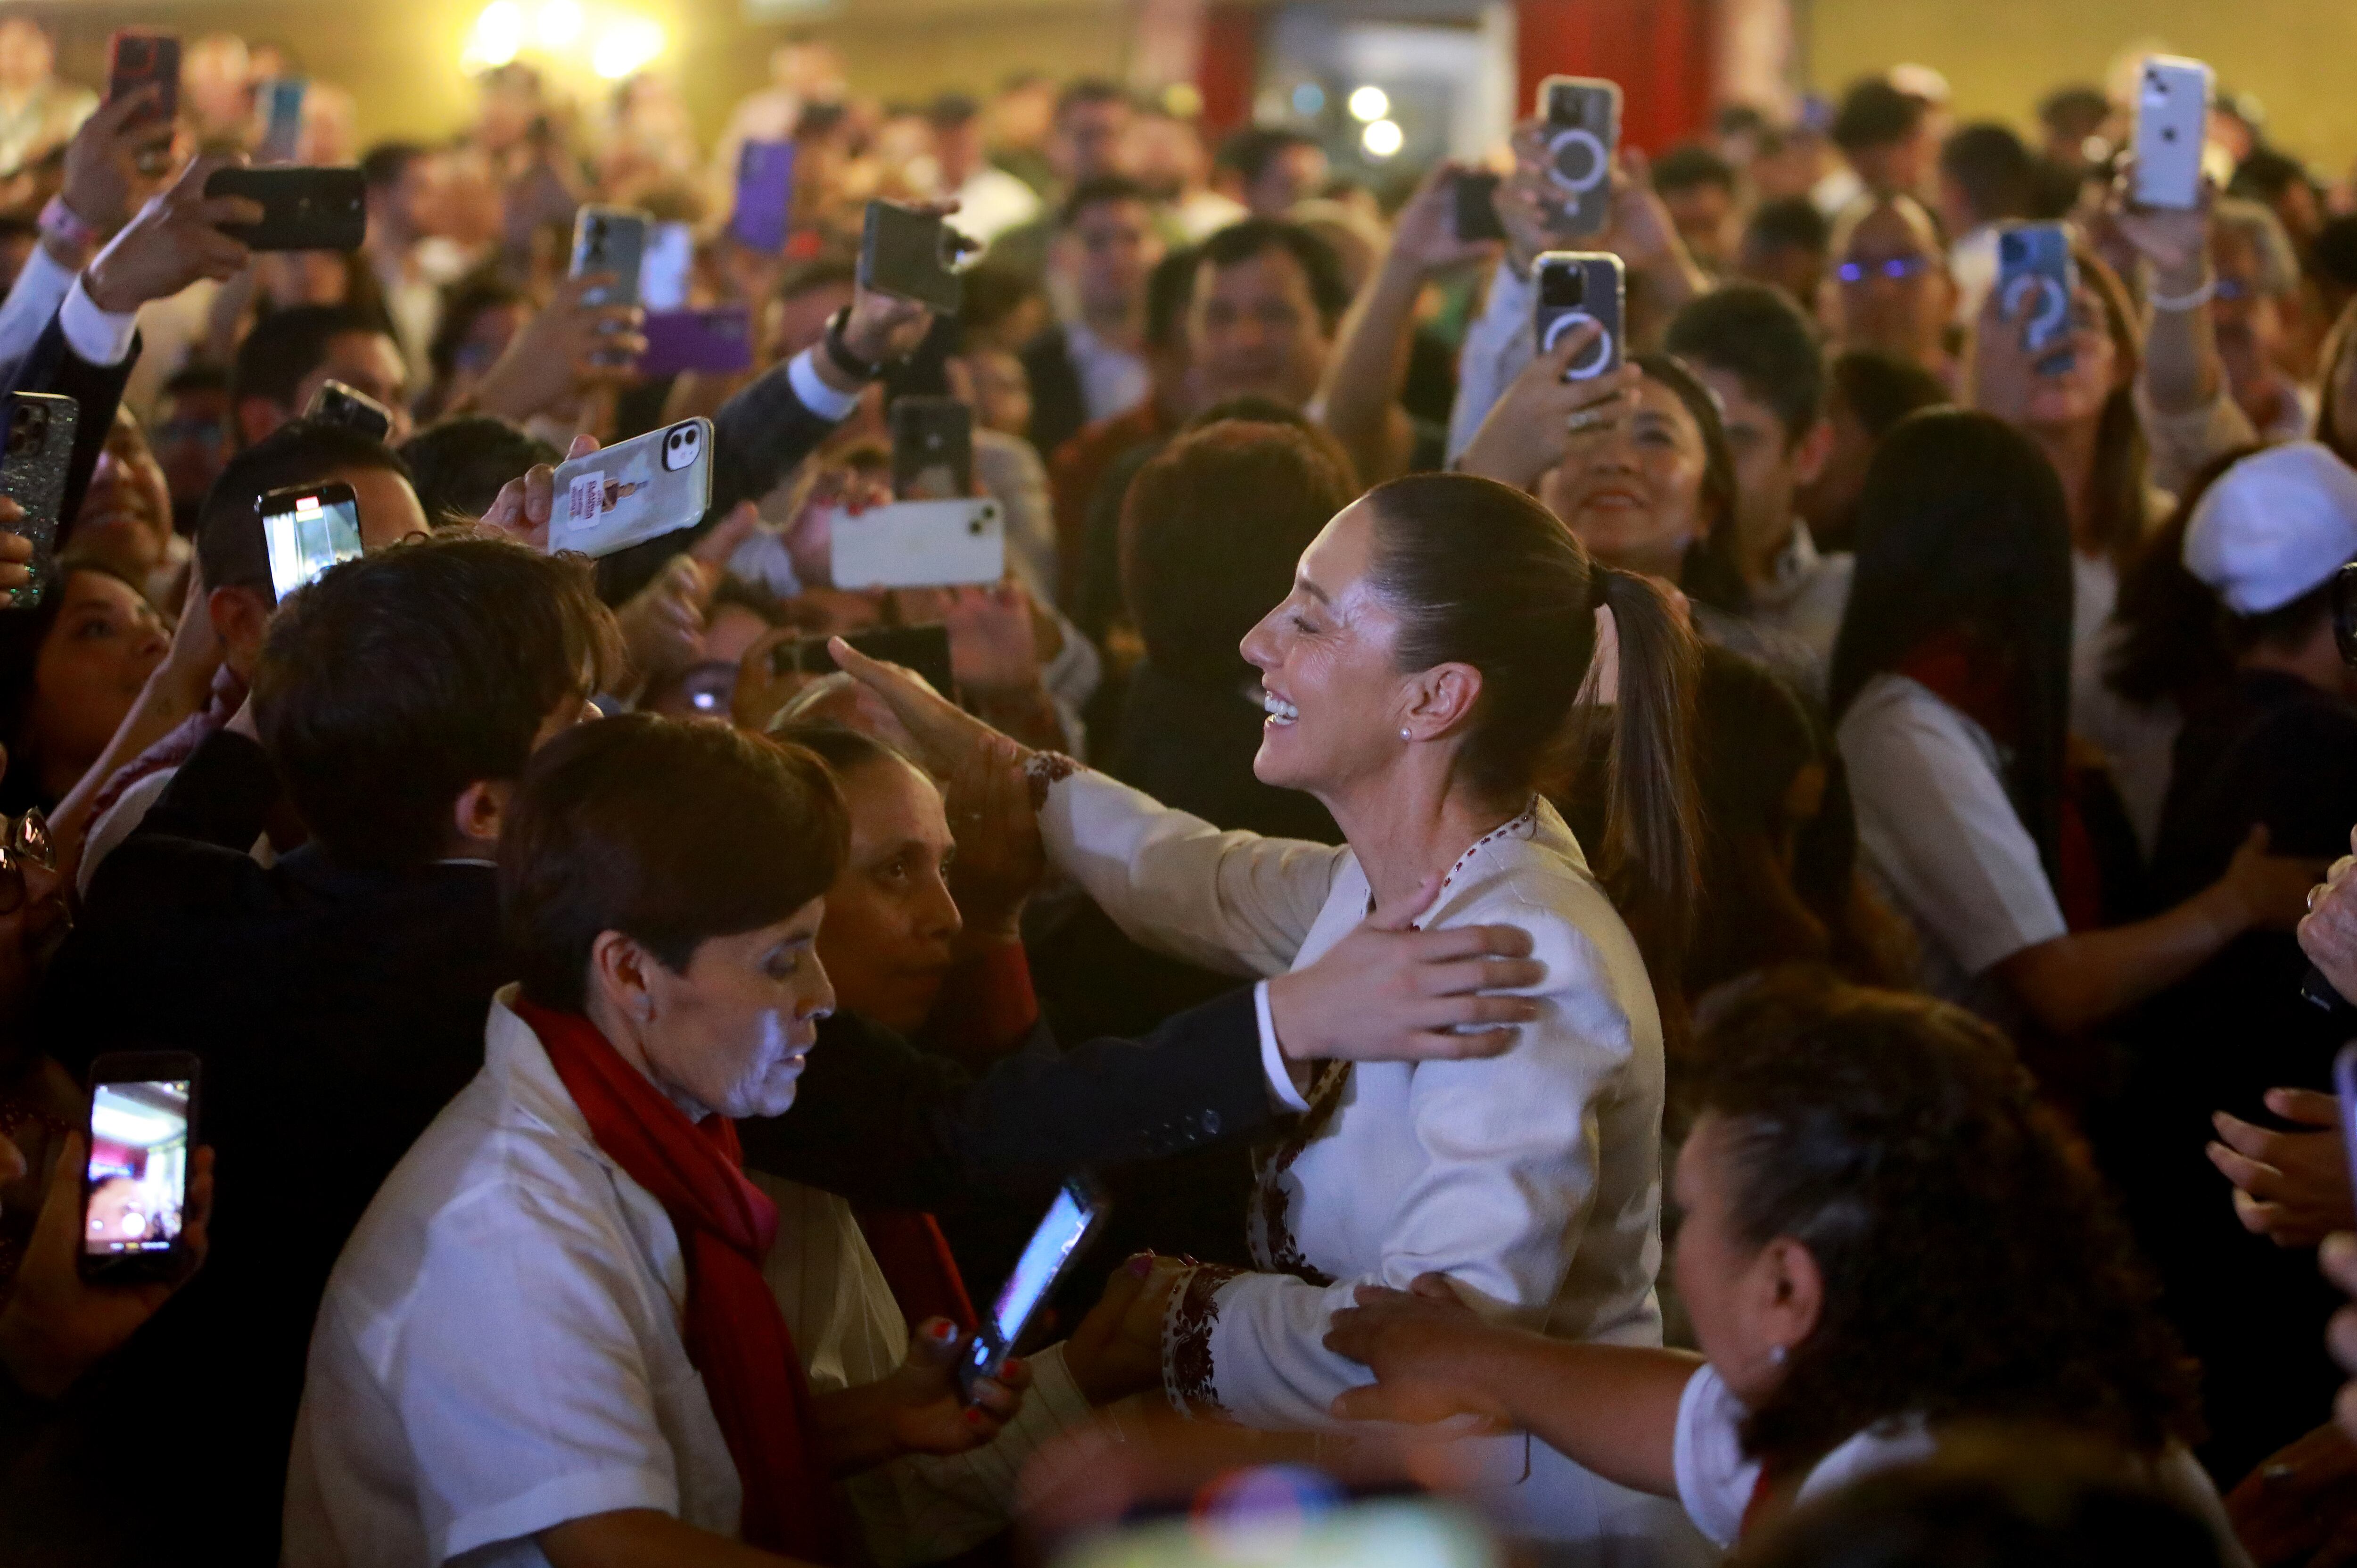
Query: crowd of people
(1739, 954)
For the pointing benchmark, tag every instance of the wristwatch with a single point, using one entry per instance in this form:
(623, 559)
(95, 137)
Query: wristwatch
(849, 363)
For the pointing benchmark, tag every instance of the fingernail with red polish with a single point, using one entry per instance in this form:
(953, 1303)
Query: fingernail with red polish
(945, 1331)
(1142, 1264)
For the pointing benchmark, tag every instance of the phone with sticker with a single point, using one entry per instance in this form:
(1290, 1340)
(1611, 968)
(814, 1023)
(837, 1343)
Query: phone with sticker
(2037, 281)
(634, 490)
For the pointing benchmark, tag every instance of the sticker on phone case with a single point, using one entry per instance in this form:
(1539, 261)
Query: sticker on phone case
(587, 498)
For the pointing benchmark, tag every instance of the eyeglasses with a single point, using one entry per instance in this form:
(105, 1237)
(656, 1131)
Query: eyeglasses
(25, 842)
(1898, 269)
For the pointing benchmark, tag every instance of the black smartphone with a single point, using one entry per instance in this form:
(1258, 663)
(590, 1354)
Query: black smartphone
(307, 529)
(1080, 1208)
(134, 59)
(339, 405)
(1583, 131)
(932, 450)
(143, 1121)
(32, 475)
(1477, 207)
(304, 208)
(924, 648)
(1577, 287)
(910, 253)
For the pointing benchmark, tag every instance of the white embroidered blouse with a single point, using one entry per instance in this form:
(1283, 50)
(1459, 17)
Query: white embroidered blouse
(1533, 1179)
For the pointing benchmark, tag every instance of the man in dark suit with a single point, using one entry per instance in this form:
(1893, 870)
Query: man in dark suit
(1093, 365)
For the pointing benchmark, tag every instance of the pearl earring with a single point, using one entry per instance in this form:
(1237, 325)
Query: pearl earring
(1776, 1354)
(1404, 735)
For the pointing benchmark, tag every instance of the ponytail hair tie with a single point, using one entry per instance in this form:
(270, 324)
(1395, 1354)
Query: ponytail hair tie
(1599, 585)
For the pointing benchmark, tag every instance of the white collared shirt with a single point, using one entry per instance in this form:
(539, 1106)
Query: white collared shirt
(498, 1348)
(1112, 381)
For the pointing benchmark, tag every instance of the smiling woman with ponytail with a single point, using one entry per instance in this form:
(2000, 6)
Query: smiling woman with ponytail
(1440, 634)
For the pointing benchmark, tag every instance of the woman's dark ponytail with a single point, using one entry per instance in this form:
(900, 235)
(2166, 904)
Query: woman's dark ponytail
(1650, 859)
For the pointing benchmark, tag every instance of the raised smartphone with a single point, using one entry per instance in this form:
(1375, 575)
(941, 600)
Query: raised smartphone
(1576, 287)
(339, 405)
(137, 58)
(634, 490)
(933, 449)
(143, 1118)
(921, 544)
(910, 253)
(304, 208)
(610, 240)
(32, 475)
(666, 269)
(282, 119)
(1476, 195)
(2172, 120)
(718, 340)
(2037, 276)
(1080, 1208)
(924, 648)
(1583, 132)
(307, 529)
(2344, 1081)
(765, 193)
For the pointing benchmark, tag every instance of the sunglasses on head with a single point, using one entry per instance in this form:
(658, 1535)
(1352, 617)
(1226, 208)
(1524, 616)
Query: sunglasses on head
(24, 841)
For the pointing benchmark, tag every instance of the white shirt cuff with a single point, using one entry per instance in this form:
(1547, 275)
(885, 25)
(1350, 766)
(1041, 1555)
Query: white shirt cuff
(817, 396)
(1273, 1064)
(99, 337)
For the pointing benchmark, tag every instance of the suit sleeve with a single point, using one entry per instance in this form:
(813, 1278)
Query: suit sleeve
(54, 367)
(878, 1121)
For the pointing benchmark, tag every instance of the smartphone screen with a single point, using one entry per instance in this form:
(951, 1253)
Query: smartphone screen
(1069, 1219)
(765, 188)
(308, 530)
(664, 270)
(138, 1176)
(2344, 1080)
(281, 125)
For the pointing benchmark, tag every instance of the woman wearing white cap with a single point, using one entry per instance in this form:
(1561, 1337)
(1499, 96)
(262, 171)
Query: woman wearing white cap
(1949, 688)
(2269, 740)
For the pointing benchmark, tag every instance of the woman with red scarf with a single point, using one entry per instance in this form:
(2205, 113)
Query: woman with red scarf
(552, 1333)
(1950, 691)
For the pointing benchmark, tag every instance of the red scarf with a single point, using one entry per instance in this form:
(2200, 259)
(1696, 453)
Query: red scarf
(1947, 666)
(735, 1336)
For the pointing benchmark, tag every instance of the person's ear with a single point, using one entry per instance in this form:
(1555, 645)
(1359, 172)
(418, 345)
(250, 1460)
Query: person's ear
(1809, 454)
(619, 973)
(1441, 701)
(479, 813)
(1796, 1292)
(241, 616)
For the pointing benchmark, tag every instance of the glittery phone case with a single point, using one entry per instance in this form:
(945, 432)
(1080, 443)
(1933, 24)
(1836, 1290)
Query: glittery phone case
(32, 475)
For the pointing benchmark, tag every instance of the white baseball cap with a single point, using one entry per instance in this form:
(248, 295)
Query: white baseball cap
(2275, 526)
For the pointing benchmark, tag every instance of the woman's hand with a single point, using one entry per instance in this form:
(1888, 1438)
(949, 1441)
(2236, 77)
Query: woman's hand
(16, 550)
(2299, 1504)
(918, 1409)
(1117, 1350)
(1424, 233)
(2291, 1187)
(1416, 1342)
(662, 624)
(568, 345)
(2004, 371)
(946, 733)
(519, 513)
(994, 638)
(2327, 932)
(1000, 860)
(2271, 890)
(1524, 432)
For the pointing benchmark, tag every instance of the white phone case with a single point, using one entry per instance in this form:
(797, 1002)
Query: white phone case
(635, 491)
(921, 544)
(2172, 120)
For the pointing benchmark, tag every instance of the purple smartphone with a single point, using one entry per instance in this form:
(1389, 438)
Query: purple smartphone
(2344, 1078)
(765, 188)
(719, 340)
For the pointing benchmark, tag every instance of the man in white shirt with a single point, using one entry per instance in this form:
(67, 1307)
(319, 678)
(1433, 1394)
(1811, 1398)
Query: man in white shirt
(1752, 347)
(990, 201)
(1093, 366)
(402, 179)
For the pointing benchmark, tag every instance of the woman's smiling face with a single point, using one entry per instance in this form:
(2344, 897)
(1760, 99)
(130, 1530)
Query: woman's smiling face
(1631, 491)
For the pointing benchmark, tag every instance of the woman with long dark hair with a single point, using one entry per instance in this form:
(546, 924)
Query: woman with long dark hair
(1438, 633)
(1951, 694)
(1888, 1234)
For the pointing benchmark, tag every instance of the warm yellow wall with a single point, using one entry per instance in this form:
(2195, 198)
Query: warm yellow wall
(2002, 55)
(401, 55)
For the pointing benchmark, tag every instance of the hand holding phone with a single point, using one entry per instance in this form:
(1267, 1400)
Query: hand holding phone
(933, 449)
(135, 1196)
(2037, 286)
(911, 253)
(136, 59)
(1583, 136)
(308, 529)
(1475, 193)
(634, 490)
(1079, 1209)
(610, 241)
(919, 544)
(300, 208)
(33, 474)
(2172, 122)
(1579, 288)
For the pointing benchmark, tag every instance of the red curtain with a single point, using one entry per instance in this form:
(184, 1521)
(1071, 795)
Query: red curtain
(1230, 70)
(1658, 51)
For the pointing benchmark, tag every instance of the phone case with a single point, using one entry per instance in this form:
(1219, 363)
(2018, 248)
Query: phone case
(933, 449)
(637, 490)
(135, 59)
(610, 240)
(1601, 294)
(901, 253)
(1583, 121)
(2172, 120)
(718, 340)
(921, 544)
(1477, 207)
(2035, 269)
(765, 188)
(302, 208)
(32, 475)
(339, 405)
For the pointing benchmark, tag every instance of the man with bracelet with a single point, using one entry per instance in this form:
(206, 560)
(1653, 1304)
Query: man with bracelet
(102, 168)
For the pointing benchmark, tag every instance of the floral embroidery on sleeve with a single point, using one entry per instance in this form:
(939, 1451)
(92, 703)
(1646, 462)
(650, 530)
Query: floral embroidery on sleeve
(1188, 1378)
(1043, 771)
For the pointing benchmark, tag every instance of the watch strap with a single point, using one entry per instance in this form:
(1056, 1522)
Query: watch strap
(838, 351)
